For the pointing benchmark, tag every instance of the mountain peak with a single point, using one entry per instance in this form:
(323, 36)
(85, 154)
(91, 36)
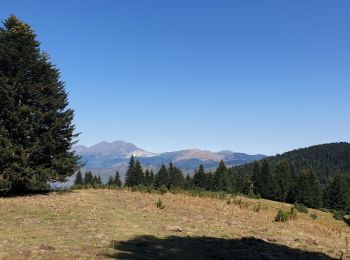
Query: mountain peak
(116, 149)
(117, 153)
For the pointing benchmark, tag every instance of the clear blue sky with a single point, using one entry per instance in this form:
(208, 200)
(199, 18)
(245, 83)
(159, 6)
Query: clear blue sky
(250, 76)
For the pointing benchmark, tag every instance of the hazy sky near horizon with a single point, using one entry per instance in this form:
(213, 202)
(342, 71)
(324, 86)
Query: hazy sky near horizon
(249, 76)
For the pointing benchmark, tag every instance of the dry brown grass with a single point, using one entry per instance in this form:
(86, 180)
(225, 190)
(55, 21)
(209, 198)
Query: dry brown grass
(82, 224)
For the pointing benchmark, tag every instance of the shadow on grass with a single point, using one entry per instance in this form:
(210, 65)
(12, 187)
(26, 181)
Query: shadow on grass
(149, 247)
(347, 220)
(25, 194)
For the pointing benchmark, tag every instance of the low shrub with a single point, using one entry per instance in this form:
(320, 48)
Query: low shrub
(163, 190)
(174, 191)
(313, 216)
(301, 207)
(140, 188)
(241, 203)
(282, 216)
(221, 195)
(257, 207)
(160, 204)
(150, 189)
(292, 214)
(338, 215)
(254, 196)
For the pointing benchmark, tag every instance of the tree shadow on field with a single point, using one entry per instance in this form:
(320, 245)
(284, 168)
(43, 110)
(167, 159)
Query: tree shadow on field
(173, 247)
(347, 219)
(30, 193)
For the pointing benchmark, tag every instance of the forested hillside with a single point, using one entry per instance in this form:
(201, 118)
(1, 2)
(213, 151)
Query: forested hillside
(324, 159)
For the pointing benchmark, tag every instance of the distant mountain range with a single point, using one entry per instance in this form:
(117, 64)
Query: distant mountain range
(105, 158)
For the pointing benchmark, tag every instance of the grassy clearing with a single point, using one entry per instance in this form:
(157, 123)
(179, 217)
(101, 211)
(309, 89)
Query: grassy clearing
(95, 224)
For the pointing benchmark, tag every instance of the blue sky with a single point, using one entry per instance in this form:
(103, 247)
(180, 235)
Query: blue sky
(250, 76)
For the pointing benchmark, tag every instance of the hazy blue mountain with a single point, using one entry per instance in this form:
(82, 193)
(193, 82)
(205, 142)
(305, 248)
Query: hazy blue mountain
(104, 154)
(105, 158)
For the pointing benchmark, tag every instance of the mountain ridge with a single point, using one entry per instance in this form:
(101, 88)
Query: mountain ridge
(107, 157)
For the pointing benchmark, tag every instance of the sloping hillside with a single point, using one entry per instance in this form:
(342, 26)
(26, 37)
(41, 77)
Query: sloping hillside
(97, 224)
(325, 159)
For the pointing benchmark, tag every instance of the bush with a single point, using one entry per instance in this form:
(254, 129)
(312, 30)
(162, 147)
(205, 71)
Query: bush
(313, 216)
(221, 195)
(257, 207)
(241, 203)
(338, 215)
(160, 204)
(140, 188)
(174, 191)
(292, 214)
(150, 189)
(163, 190)
(282, 216)
(254, 196)
(301, 207)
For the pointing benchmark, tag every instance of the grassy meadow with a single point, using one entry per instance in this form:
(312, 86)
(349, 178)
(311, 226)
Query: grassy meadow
(120, 224)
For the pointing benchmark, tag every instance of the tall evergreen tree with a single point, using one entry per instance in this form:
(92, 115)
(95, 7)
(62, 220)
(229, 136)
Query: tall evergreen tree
(188, 183)
(36, 130)
(308, 189)
(130, 176)
(242, 183)
(148, 181)
(265, 178)
(99, 180)
(220, 177)
(283, 176)
(151, 177)
(199, 178)
(256, 177)
(210, 181)
(117, 180)
(89, 178)
(338, 193)
(139, 175)
(176, 178)
(79, 179)
(110, 181)
(162, 177)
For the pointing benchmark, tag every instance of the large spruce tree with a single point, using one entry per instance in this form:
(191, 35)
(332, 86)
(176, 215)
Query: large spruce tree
(139, 175)
(162, 177)
(176, 178)
(199, 178)
(130, 176)
(79, 179)
(308, 189)
(117, 180)
(220, 177)
(338, 193)
(36, 130)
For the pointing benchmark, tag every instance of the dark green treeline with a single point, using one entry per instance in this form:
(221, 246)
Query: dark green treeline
(280, 182)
